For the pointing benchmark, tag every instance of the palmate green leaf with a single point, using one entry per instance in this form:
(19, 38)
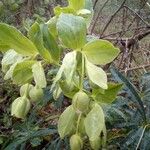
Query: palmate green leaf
(109, 94)
(96, 74)
(39, 75)
(36, 36)
(66, 121)
(22, 73)
(76, 5)
(10, 37)
(100, 52)
(72, 31)
(94, 122)
(132, 91)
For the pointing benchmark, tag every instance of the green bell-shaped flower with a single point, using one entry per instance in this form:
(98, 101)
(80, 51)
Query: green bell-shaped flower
(81, 101)
(25, 89)
(36, 94)
(20, 107)
(76, 142)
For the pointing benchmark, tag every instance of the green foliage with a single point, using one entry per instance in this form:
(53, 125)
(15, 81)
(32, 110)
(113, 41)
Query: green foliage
(94, 122)
(20, 107)
(108, 95)
(68, 29)
(131, 114)
(66, 122)
(39, 75)
(72, 31)
(12, 38)
(22, 72)
(100, 52)
(96, 75)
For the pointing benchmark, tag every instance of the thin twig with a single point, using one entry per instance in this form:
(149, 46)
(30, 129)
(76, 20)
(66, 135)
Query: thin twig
(136, 68)
(94, 24)
(146, 23)
(111, 18)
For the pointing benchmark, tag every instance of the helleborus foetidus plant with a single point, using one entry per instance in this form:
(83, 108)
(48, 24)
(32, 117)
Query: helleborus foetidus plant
(84, 119)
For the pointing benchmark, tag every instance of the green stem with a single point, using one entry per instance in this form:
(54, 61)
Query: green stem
(82, 73)
(78, 122)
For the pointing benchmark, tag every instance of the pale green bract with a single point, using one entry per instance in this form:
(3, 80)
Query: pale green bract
(94, 122)
(96, 74)
(22, 73)
(72, 31)
(69, 64)
(66, 122)
(20, 107)
(9, 73)
(68, 68)
(39, 75)
(9, 58)
(100, 52)
(13, 39)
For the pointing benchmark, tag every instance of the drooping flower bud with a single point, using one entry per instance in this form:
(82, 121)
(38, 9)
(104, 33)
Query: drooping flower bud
(36, 94)
(96, 143)
(76, 142)
(25, 87)
(20, 107)
(81, 101)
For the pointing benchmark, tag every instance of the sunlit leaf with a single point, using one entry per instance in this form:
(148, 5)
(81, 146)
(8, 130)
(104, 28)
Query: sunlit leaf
(12, 38)
(100, 52)
(39, 75)
(69, 63)
(50, 44)
(96, 75)
(66, 122)
(109, 94)
(36, 36)
(94, 122)
(72, 31)
(22, 73)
